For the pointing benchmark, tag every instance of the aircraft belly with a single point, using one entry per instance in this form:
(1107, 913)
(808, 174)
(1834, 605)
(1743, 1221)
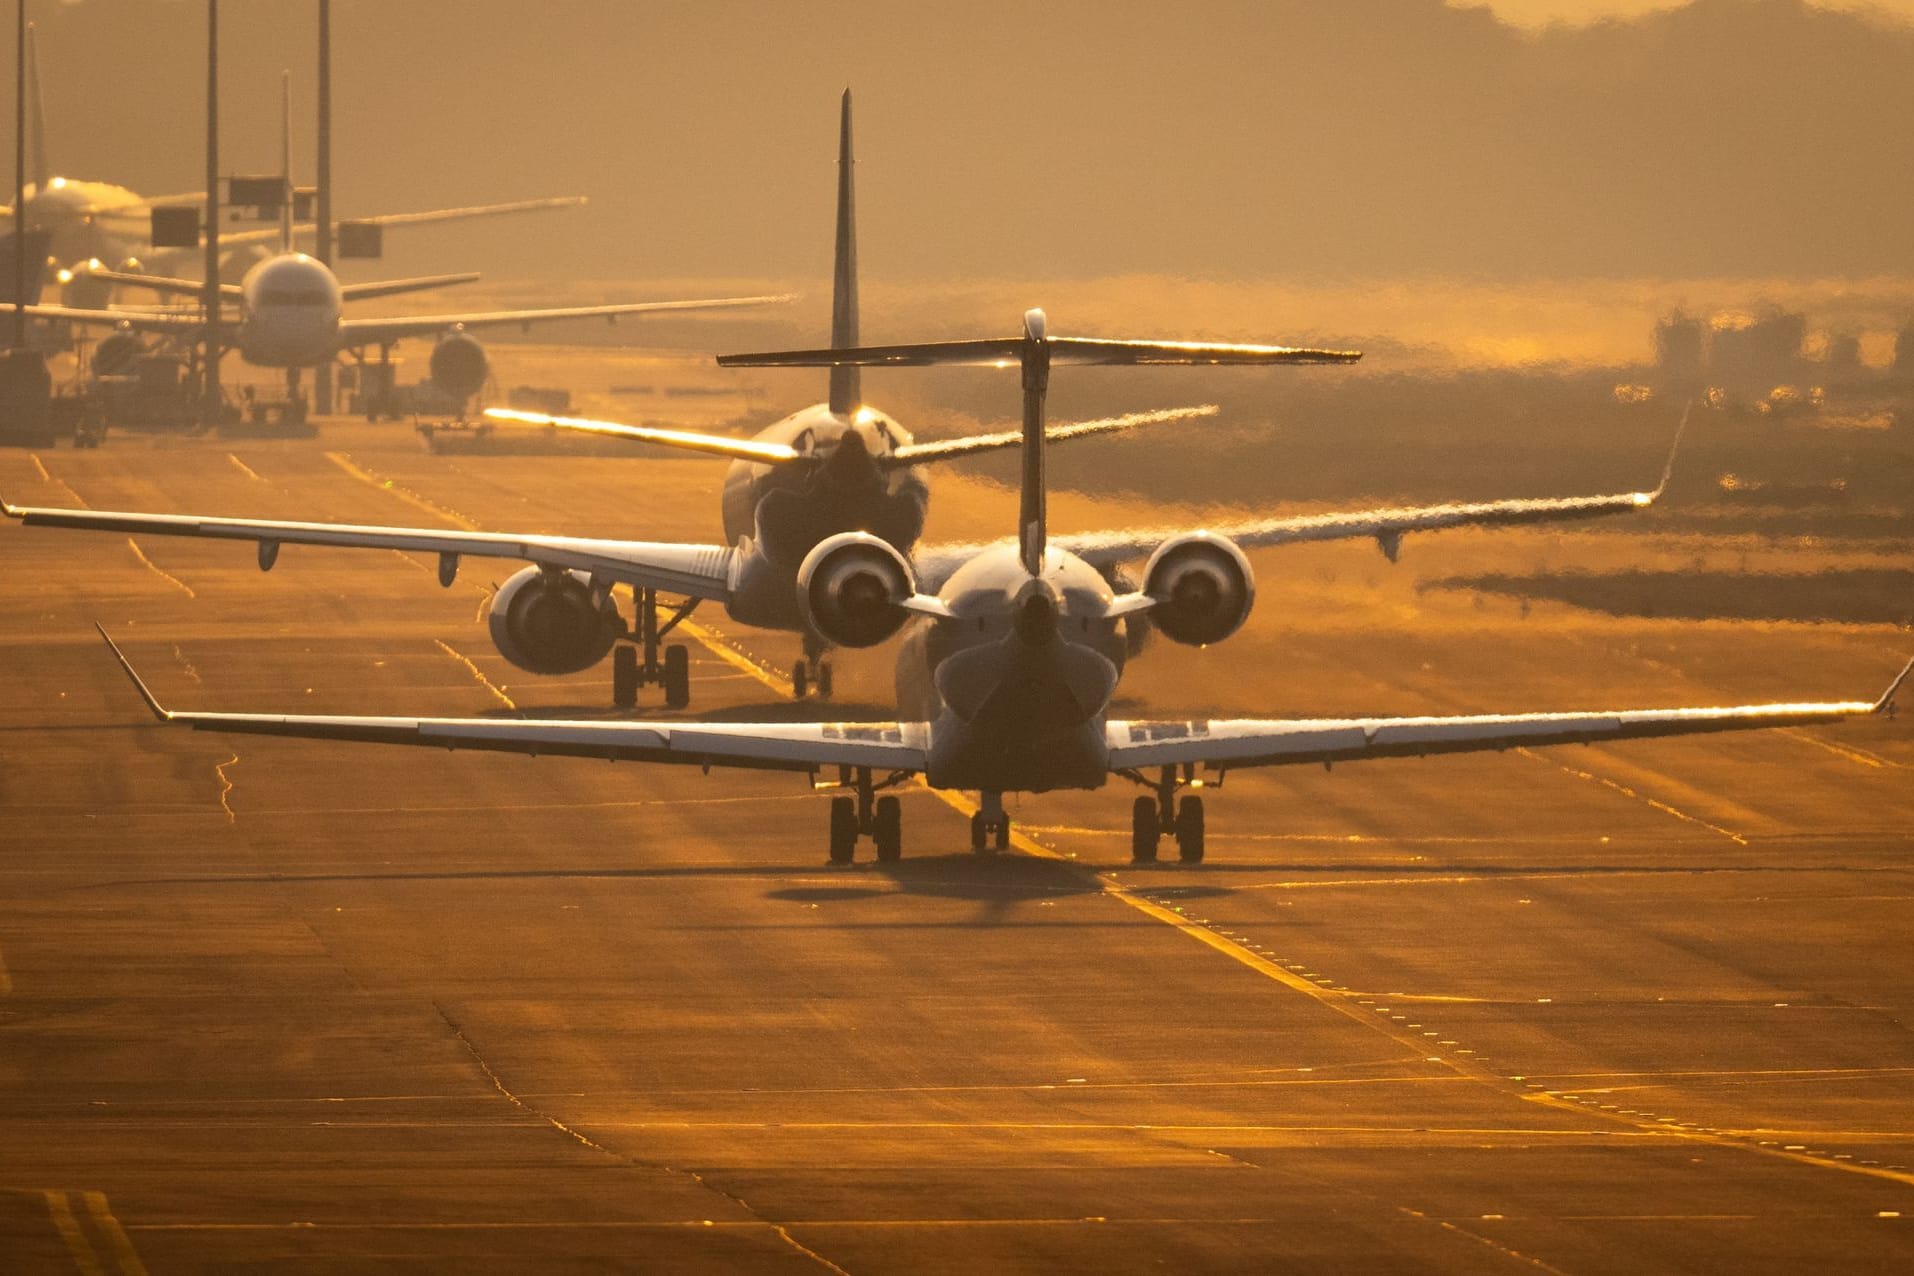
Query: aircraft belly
(977, 756)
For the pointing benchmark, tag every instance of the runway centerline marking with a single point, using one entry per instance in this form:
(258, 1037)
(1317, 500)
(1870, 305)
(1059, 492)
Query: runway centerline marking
(1627, 792)
(392, 488)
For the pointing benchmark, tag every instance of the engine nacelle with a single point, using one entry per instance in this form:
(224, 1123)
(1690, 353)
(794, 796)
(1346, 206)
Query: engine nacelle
(546, 622)
(84, 290)
(850, 587)
(459, 367)
(1203, 587)
(116, 354)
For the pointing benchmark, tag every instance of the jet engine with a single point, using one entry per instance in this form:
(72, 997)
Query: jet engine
(116, 354)
(849, 588)
(547, 621)
(81, 289)
(1203, 588)
(459, 367)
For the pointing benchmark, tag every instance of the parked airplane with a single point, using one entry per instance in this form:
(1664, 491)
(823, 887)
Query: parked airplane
(1013, 678)
(99, 232)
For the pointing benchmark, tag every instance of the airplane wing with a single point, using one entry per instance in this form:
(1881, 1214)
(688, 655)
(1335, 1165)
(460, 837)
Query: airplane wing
(392, 287)
(945, 449)
(1387, 527)
(163, 283)
(367, 332)
(1006, 351)
(306, 229)
(699, 571)
(1229, 744)
(776, 746)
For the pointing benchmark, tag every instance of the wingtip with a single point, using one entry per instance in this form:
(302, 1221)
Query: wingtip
(139, 684)
(1886, 703)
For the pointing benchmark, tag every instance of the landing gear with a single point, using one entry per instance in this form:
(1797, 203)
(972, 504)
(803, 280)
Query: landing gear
(866, 813)
(812, 673)
(1152, 818)
(990, 827)
(673, 672)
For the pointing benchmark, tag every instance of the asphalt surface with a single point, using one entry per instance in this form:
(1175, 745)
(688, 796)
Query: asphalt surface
(1642, 1008)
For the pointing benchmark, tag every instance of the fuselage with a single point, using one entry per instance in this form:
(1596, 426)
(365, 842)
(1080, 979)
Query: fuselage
(785, 509)
(289, 312)
(1016, 682)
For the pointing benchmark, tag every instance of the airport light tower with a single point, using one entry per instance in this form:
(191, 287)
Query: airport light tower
(322, 211)
(26, 389)
(209, 296)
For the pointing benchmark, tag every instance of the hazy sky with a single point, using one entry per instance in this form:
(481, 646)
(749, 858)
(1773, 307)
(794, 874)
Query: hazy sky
(1535, 13)
(1216, 139)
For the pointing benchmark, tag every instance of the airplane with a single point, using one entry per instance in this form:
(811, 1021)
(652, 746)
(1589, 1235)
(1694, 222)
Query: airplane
(99, 232)
(1007, 686)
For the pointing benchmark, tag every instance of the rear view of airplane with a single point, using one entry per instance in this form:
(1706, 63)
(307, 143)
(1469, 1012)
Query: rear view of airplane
(1014, 675)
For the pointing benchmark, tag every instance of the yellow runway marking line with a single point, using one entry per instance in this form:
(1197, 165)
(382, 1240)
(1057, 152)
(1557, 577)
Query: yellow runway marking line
(58, 482)
(411, 498)
(61, 1211)
(483, 681)
(244, 468)
(1344, 1003)
(116, 1238)
(164, 575)
(1856, 755)
(1627, 792)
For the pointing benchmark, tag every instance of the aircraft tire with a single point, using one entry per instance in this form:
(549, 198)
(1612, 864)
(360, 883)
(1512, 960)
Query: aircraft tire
(1144, 830)
(824, 680)
(843, 830)
(800, 680)
(888, 829)
(624, 677)
(1189, 830)
(978, 833)
(677, 676)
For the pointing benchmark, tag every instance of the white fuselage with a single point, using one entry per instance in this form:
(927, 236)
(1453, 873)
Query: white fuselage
(289, 312)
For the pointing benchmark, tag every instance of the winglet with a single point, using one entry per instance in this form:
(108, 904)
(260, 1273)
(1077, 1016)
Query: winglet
(10, 509)
(1886, 703)
(1674, 449)
(162, 714)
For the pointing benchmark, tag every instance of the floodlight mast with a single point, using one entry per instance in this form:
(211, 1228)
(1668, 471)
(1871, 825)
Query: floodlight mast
(322, 211)
(209, 296)
(20, 177)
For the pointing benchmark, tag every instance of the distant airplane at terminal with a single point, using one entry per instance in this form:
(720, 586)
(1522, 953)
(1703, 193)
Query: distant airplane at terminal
(99, 232)
(1006, 683)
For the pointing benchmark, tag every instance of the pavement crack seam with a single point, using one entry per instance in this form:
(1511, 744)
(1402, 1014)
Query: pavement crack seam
(497, 691)
(498, 1084)
(1627, 792)
(161, 572)
(226, 788)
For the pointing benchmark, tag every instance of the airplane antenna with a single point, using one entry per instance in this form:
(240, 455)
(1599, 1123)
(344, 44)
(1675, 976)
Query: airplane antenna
(1031, 533)
(36, 113)
(285, 161)
(847, 392)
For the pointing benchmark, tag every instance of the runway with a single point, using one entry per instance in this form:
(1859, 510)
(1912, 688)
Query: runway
(1640, 1008)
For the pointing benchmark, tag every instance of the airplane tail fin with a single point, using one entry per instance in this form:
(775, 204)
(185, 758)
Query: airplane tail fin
(847, 392)
(36, 117)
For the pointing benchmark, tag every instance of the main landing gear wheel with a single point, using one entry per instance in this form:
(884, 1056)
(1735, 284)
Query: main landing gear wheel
(677, 676)
(1189, 830)
(990, 827)
(800, 680)
(624, 677)
(1144, 830)
(636, 663)
(843, 829)
(809, 676)
(887, 829)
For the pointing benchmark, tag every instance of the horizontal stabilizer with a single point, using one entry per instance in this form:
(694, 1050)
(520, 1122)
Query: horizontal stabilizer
(947, 449)
(1008, 351)
(689, 440)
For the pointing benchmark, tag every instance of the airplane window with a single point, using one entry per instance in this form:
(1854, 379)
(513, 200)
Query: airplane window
(294, 297)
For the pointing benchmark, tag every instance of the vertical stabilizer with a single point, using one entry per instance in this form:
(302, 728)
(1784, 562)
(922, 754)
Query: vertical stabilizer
(36, 117)
(285, 161)
(1031, 532)
(847, 392)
